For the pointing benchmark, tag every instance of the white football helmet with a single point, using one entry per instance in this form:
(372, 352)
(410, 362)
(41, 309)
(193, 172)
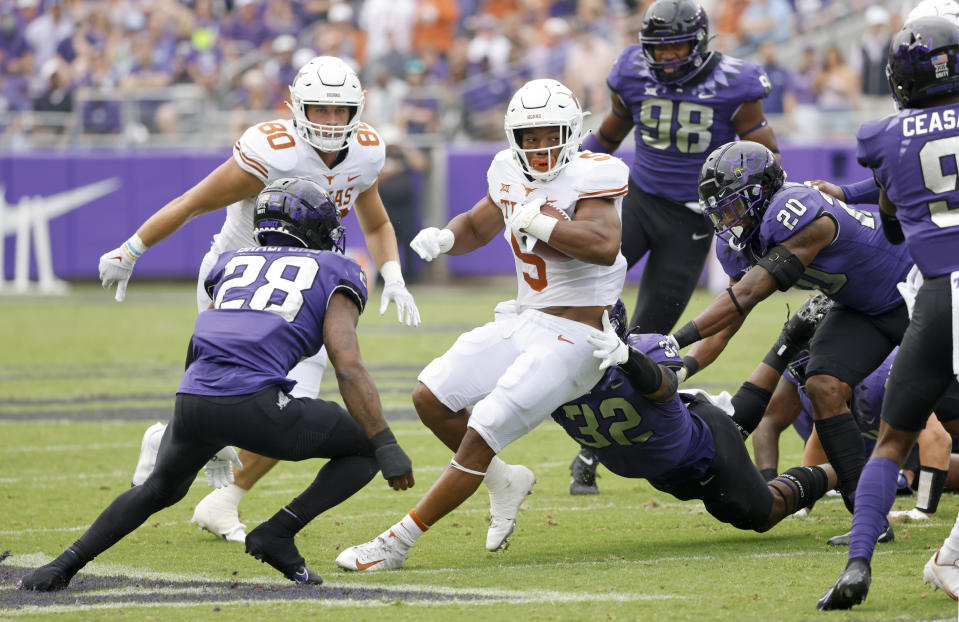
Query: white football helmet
(329, 81)
(544, 103)
(936, 8)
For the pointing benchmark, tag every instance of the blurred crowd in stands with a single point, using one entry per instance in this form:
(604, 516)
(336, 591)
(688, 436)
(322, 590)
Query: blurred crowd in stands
(132, 72)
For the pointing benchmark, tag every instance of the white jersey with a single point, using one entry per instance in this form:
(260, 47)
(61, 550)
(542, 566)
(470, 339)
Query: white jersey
(273, 150)
(573, 283)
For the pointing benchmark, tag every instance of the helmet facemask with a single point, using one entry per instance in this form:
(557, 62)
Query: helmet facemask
(670, 22)
(735, 217)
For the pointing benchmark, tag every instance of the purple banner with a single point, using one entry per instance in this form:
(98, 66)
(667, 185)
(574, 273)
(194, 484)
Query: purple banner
(59, 211)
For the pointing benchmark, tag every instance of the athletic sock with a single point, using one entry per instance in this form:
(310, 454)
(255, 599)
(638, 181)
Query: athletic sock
(286, 523)
(842, 442)
(497, 474)
(409, 529)
(874, 498)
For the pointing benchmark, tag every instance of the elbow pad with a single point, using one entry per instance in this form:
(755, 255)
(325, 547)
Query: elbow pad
(783, 266)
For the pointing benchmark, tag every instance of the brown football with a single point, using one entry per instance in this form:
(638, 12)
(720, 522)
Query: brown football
(543, 249)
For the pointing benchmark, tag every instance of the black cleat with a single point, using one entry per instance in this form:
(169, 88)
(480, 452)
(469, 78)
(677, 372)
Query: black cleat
(280, 552)
(583, 471)
(47, 578)
(850, 589)
(886, 535)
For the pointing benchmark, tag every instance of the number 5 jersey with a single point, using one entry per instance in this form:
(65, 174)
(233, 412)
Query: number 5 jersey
(269, 305)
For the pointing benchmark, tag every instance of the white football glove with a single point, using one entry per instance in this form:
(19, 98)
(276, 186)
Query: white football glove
(431, 242)
(219, 470)
(523, 217)
(116, 267)
(609, 347)
(406, 310)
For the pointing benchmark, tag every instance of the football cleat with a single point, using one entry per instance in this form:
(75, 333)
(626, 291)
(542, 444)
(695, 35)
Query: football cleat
(850, 589)
(219, 515)
(942, 576)
(385, 552)
(281, 553)
(504, 505)
(45, 579)
(913, 514)
(149, 447)
(583, 471)
(886, 535)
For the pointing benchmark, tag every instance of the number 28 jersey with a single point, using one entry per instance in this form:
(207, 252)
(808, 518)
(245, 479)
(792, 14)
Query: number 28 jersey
(573, 283)
(273, 150)
(269, 304)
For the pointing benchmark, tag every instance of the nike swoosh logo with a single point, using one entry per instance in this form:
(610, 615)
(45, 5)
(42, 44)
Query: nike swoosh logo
(361, 566)
(352, 178)
(301, 576)
(588, 461)
(118, 258)
(707, 480)
(615, 384)
(697, 236)
(561, 338)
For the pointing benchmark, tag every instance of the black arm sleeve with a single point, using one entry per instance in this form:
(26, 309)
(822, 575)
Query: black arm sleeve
(642, 372)
(891, 228)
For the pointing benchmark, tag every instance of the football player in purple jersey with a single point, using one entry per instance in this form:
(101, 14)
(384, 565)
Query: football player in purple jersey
(776, 235)
(914, 155)
(683, 100)
(272, 305)
(640, 427)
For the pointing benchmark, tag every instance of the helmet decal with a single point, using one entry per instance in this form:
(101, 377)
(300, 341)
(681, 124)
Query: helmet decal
(295, 211)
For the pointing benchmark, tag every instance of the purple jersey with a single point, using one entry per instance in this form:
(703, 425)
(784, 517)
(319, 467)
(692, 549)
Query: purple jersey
(677, 126)
(859, 269)
(634, 437)
(914, 155)
(269, 304)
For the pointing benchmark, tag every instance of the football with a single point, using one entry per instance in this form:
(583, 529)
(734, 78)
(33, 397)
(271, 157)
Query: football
(544, 250)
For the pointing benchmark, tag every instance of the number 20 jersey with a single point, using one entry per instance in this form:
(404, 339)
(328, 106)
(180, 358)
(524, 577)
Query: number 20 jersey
(269, 304)
(678, 126)
(858, 269)
(573, 283)
(915, 157)
(273, 150)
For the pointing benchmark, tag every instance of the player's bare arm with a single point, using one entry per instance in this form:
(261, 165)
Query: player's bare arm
(616, 126)
(377, 228)
(887, 218)
(750, 124)
(759, 283)
(225, 185)
(595, 234)
(476, 227)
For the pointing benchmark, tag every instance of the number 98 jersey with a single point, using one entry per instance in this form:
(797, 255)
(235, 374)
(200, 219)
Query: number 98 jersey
(269, 305)
(272, 150)
(677, 126)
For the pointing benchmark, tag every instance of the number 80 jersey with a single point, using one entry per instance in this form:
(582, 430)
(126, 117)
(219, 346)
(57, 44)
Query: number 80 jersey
(269, 305)
(273, 150)
(677, 126)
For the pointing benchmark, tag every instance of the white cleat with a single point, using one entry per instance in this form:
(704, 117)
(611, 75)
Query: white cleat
(220, 516)
(149, 447)
(504, 505)
(942, 576)
(385, 552)
(801, 513)
(914, 514)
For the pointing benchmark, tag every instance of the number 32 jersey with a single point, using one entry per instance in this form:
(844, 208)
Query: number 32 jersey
(573, 283)
(273, 150)
(269, 304)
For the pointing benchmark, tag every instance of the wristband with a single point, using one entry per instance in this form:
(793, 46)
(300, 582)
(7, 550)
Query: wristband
(383, 438)
(541, 227)
(134, 247)
(687, 334)
(392, 273)
(691, 365)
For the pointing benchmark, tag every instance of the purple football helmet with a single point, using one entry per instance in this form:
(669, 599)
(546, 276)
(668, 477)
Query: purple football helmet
(675, 21)
(295, 211)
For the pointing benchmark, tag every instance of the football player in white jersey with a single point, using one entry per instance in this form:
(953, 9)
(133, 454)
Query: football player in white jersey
(325, 142)
(535, 356)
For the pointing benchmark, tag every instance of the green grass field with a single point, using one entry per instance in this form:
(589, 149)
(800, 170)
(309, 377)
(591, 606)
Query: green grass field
(82, 376)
